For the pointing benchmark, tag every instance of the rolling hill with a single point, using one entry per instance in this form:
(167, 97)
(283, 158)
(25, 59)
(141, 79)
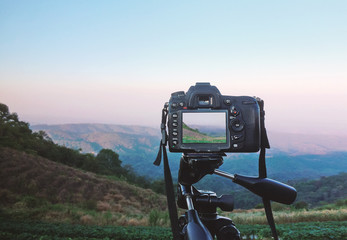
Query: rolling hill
(45, 190)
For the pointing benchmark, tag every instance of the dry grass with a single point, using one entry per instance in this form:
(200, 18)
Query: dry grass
(257, 216)
(112, 202)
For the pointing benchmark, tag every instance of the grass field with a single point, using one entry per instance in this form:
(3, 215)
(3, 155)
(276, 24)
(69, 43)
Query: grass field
(36, 230)
(66, 221)
(257, 216)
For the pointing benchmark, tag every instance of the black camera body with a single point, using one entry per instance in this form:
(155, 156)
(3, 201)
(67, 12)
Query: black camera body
(205, 121)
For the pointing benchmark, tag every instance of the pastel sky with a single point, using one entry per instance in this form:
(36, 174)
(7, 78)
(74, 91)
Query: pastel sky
(119, 61)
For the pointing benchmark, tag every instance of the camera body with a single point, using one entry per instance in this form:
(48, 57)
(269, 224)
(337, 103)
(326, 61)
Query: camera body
(205, 121)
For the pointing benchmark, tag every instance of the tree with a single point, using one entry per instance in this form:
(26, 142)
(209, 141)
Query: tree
(13, 133)
(5, 115)
(109, 162)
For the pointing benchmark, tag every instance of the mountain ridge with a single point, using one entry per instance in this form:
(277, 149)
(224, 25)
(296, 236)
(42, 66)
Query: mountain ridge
(138, 146)
(291, 143)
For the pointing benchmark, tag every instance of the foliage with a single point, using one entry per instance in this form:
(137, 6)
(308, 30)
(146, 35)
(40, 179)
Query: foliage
(302, 231)
(158, 218)
(323, 190)
(37, 230)
(108, 162)
(27, 230)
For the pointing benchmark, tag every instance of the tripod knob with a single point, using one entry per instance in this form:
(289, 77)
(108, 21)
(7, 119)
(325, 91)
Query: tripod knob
(224, 202)
(229, 232)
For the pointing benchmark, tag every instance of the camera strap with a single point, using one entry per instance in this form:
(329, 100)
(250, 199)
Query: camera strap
(264, 143)
(170, 194)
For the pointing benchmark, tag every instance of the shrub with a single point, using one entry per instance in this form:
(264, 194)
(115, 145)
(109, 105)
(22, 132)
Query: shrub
(154, 216)
(301, 205)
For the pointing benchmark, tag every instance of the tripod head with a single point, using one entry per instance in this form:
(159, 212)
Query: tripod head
(193, 167)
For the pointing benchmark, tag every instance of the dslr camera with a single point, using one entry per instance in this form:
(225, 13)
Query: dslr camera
(205, 121)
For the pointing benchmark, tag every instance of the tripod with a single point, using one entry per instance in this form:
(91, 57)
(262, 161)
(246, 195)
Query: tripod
(201, 220)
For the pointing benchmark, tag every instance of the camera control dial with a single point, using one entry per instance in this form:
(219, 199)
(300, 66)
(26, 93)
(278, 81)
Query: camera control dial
(237, 125)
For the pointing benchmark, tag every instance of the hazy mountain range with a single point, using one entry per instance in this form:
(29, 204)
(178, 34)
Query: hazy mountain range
(291, 156)
(93, 137)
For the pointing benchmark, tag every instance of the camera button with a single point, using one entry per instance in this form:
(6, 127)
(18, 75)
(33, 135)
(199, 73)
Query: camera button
(174, 105)
(236, 137)
(174, 115)
(174, 133)
(227, 101)
(234, 112)
(174, 124)
(181, 104)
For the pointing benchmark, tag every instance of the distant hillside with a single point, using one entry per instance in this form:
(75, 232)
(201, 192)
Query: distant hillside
(137, 146)
(290, 157)
(30, 181)
(92, 138)
(122, 138)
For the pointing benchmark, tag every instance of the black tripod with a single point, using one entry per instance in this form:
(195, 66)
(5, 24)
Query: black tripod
(201, 220)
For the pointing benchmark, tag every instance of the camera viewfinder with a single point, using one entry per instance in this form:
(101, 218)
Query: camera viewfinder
(205, 100)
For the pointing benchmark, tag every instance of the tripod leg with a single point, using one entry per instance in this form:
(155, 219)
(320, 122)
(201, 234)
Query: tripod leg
(194, 228)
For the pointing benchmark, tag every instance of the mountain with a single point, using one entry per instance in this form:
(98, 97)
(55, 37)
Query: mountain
(292, 156)
(122, 138)
(92, 138)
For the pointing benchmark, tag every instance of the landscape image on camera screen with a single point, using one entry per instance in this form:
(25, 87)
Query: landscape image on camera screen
(207, 127)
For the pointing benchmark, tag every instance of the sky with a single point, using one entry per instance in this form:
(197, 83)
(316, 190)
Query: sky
(117, 62)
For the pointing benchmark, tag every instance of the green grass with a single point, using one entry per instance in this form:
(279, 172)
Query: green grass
(39, 230)
(34, 218)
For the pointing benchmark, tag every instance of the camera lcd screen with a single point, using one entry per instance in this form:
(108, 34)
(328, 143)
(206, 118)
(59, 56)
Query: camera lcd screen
(204, 127)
